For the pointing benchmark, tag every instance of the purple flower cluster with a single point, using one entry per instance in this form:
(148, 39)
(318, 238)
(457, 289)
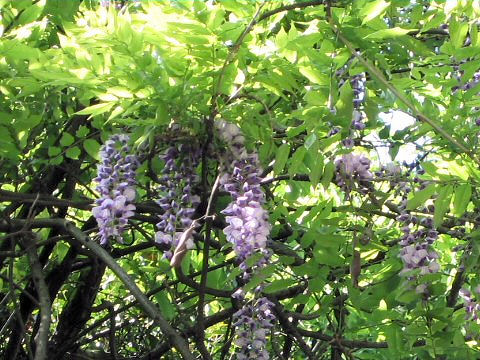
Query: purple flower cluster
(248, 229)
(352, 168)
(417, 252)
(253, 322)
(248, 226)
(233, 138)
(357, 121)
(177, 199)
(116, 185)
(358, 87)
(472, 307)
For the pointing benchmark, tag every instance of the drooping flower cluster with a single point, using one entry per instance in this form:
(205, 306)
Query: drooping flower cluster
(352, 168)
(248, 229)
(253, 322)
(234, 139)
(472, 307)
(248, 226)
(177, 199)
(116, 185)
(358, 87)
(417, 252)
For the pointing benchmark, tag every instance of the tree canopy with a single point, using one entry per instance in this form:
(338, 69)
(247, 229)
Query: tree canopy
(239, 179)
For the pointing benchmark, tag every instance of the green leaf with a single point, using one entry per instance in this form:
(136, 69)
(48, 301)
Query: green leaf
(297, 160)
(420, 197)
(229, 76)
(463, 193)
(394, 339)
(372, 10)
(92, 148)
(120, 92)
(96, 109)
(16, 50)
(73, 153)
(54, 151)
(344, 106)
(458, 33)
(314, 75)
(281, 158)
(442, 204)
(310, 140)
(316, 170)
(67, 139)
(280, 284)
(325, 256)
(388, 33)
(430, 168)
(328, 174)
(165, 305)
(31, 13)
(61, 249)
(117, 111)
(82, 131)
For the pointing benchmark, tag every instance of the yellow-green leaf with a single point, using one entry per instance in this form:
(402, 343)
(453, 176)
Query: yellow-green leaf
(96, 109)
(463, 193)
(420, 197)
(442, 204)
(372, 10)
(281, 158)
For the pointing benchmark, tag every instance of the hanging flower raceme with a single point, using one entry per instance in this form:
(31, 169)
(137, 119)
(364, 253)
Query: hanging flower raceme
(177, 199)
(472, 307)
(116, 185)
(352, 168)
(248, 229)
(358, 88)
(417, 254)
(248, 225)
(253, 322)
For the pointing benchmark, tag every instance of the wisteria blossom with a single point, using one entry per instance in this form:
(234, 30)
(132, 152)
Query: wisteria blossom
(472, 307)
(352, 168)
(116, 185)
(417, 252)
(234, 139)
(253, 322)
(248, 229)
(176, 196)
(248, 225)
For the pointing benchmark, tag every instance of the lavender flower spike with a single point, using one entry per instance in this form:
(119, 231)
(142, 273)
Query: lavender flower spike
(116, 185)
(177, 199)
(253, 322)
(350, 168)
(248, 226)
